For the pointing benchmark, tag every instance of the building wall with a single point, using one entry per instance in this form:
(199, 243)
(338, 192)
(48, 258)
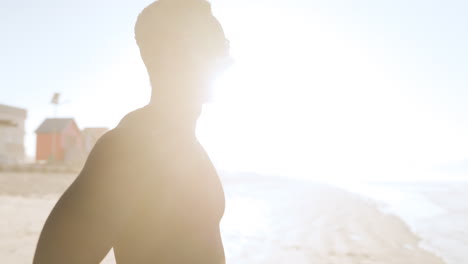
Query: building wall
(44, 144)
(68, 146)
(12, 135)
(72, 141)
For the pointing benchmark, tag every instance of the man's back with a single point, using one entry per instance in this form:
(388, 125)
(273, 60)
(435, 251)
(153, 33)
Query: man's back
(176, 219)
(151, 193)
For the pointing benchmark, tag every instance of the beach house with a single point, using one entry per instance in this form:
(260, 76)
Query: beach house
(59, 140)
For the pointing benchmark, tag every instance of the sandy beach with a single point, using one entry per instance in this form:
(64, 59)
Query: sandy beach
(267, 220)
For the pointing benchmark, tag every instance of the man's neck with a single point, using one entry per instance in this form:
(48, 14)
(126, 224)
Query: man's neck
(179, 118)
(171, 105)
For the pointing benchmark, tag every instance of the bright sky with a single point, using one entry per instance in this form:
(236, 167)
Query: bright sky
(320, 88)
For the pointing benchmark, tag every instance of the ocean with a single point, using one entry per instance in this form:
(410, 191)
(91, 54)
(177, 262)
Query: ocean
(436, 211)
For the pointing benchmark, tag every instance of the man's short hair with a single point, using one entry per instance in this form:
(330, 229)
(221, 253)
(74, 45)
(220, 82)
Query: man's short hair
(168, 26)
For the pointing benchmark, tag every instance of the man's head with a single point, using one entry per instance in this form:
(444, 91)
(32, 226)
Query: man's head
(182, 45)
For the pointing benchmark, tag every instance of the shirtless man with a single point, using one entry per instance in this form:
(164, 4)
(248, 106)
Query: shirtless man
(148, 189)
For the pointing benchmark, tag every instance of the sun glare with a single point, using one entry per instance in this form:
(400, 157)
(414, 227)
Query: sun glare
(283, 106)
(313, 105)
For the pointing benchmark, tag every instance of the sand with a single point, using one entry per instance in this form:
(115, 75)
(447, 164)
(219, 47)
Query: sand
(267, 220)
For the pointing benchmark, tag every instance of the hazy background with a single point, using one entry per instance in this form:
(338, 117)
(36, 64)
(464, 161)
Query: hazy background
(330, 90)
(327, 89)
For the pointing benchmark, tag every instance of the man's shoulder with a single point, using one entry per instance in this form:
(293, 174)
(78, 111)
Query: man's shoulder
(125, 133)
(107, 146)
(130, 141)
(134, 118)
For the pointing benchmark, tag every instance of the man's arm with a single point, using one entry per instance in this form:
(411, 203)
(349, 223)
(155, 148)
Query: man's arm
(87, 218)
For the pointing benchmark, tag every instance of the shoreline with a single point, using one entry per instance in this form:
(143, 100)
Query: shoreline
(348, 229)
(267, 220)
(440, 217)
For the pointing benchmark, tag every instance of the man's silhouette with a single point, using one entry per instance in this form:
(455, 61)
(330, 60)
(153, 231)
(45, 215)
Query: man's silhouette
(148, 189)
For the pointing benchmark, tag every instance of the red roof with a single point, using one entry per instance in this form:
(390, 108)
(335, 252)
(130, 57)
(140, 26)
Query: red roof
(54, 125)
